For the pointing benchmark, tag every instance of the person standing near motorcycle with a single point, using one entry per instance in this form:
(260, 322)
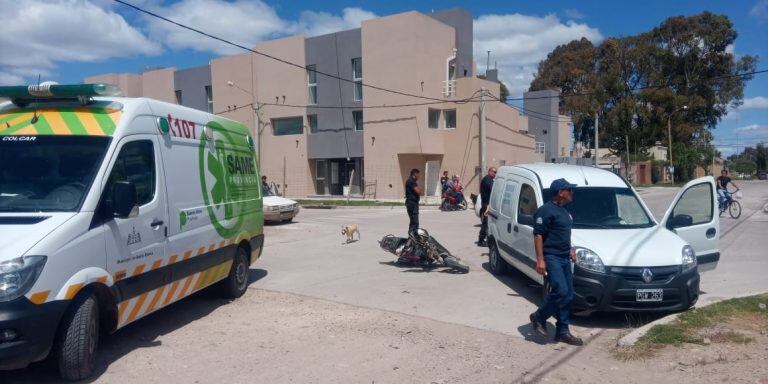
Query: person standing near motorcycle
(486, 186)
(412, 197)
(552, 242)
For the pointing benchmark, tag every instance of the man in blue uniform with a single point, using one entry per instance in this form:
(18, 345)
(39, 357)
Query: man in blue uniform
(412, 197)
(552, 239)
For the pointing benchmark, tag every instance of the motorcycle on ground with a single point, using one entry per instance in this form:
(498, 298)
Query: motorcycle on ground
(421, 250)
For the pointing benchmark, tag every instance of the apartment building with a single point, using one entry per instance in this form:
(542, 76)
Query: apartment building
(317, 134)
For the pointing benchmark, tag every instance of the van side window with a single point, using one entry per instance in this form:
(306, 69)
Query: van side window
(509, 193)
(527, 204)
(496, 193)
(136, 163)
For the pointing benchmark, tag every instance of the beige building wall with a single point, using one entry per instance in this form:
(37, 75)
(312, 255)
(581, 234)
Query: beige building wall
(158, 84)
(564, 136)
(129, 83)
(284, 158)
(232, 99)
(406, 52)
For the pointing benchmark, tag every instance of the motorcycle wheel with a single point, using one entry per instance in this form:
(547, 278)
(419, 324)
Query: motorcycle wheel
(463, 205)
(455, 263)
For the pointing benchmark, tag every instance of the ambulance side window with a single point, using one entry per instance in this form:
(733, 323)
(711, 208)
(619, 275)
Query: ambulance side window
(135, 163)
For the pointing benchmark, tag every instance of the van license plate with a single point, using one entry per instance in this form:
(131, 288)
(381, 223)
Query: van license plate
(650, 295)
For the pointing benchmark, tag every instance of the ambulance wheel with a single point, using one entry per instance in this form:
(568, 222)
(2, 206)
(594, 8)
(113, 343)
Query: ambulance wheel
(78, 338)
(236, 283)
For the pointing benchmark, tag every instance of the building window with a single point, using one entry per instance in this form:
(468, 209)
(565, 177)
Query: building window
(357, 76)
(357, 118)
(450, 118)
(540, 147)
(312, 122)
(178, 97)
(434, 118)
(209, 98)
(312, 83)
(288, 126)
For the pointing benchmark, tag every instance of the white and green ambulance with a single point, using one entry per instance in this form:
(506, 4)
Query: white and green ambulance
(110, 209)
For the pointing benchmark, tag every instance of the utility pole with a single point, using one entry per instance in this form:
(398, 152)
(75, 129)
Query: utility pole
(597, 121)
(628, 166)
(482, 131)
(669, 133)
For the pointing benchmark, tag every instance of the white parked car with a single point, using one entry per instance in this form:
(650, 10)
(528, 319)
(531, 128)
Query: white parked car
(278, 209)
(626, 260)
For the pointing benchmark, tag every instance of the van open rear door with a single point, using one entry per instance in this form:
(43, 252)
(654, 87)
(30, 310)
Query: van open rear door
(694, 217)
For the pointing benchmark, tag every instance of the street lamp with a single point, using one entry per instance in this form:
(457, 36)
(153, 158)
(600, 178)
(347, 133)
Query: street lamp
(256, 111)
(669, 133)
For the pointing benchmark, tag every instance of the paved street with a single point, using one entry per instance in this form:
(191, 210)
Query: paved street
(375, 321)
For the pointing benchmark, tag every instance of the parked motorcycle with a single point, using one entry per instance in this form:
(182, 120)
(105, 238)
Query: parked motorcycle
(421, 250)
(450, 203)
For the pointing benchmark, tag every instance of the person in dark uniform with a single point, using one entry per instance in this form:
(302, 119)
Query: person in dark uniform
(412, 196)
(552, 239)
(486, 186)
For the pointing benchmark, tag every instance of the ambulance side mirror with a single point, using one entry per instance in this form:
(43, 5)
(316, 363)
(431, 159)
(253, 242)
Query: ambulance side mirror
(124, 200)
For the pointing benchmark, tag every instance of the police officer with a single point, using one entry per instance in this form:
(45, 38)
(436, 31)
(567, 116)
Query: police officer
(486, 186)
(412, 197)
(552, 239)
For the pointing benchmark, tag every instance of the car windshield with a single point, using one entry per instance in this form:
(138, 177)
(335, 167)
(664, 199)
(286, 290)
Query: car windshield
(601, 208)
(47, 173)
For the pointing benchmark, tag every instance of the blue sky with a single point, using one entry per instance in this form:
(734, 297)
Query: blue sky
(66, 40)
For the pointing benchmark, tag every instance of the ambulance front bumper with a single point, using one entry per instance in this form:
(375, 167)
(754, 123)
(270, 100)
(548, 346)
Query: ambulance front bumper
(34, 327)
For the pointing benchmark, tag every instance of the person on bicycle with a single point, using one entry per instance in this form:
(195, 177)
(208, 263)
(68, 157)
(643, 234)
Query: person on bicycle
(722, 186)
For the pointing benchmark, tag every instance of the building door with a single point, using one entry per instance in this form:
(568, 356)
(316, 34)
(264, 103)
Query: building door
(432, 178)
(320, 176)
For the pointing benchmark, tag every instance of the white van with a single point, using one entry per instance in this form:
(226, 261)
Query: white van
(626, 261)
(110, 209)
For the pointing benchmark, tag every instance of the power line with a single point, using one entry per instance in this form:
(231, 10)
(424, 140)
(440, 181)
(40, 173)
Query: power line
(472, 99)
(578, 94)
(301, 66)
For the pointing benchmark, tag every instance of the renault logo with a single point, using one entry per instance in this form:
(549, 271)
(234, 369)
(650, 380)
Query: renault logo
(647, 275)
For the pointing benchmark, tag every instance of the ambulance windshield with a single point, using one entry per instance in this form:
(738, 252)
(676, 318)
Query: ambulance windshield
(48, 173)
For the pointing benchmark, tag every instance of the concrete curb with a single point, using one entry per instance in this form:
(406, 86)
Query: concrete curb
(631, 338)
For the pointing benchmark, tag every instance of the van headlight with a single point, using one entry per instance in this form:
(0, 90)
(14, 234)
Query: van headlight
(689, 258)
(17, 276)
(586, 259)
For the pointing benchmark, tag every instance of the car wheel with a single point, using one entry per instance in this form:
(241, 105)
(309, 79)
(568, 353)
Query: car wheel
(498, 265)
(236, 283)
(78, 339)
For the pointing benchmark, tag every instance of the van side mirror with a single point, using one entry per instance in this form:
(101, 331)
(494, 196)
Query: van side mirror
(523, 219)
(124, 200)
(680, 221)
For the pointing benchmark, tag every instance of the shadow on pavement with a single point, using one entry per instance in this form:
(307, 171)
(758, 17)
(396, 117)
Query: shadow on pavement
(141, 334)
(279, 223)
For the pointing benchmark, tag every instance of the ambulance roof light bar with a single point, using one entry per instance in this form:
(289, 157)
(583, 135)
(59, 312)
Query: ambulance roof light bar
(22, 95)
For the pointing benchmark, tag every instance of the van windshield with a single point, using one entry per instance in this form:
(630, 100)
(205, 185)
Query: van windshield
(601, 208)
(48, 173)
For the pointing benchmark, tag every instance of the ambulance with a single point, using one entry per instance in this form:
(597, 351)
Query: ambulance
(110, 209)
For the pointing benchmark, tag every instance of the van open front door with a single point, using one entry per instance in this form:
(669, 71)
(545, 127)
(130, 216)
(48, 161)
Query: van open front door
(693, 216)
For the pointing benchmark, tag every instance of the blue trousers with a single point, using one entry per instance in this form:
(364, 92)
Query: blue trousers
(558, 301)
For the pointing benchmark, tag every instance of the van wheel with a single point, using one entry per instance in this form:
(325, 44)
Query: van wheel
(498, 265)
(236, 283)
(78, 338)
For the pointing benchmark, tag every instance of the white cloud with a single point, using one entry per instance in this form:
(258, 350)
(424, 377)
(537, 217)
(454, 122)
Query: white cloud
(573, 13)
(319, 23)
(38, 34)
(244, 22)
(758, 102)
(760, 10)
(518, 42)
(753, 130)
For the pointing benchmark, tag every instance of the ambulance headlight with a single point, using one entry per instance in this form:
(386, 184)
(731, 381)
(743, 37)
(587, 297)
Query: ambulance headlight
(689, 258)
(589, 260)
(17, 276)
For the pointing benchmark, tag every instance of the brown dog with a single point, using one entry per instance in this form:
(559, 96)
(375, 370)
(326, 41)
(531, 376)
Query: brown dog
(349, 231)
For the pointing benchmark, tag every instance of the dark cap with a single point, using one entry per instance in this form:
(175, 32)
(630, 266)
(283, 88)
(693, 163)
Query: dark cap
(560, 184)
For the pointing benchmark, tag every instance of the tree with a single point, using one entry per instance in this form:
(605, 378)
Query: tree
(745, 166)
(761, 157)
(637, 84)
